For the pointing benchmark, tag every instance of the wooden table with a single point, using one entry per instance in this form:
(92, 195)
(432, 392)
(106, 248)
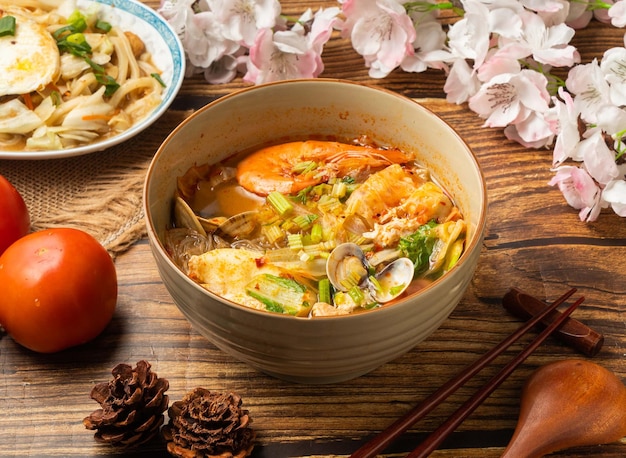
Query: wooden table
(534, 241)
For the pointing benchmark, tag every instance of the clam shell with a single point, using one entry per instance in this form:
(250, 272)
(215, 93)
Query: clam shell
(239, 225)
(339, 265)
(394, 279)
(185, 217)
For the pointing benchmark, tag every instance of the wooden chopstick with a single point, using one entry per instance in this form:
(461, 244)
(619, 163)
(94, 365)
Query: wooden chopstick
(435, 439)
(396, 429)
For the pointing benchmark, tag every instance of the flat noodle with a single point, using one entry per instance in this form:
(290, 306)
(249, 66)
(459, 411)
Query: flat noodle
(123, 55)
(134, 85)
(81, 87)
(133, 66)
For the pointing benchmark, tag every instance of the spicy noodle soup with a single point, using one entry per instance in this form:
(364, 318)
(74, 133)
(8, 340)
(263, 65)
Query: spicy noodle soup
(314, 228)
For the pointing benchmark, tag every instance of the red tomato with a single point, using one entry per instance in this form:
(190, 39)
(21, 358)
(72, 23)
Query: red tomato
(14, 218)
(59, 289)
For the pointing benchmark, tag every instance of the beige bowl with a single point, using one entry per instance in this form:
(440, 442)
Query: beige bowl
(328, 349)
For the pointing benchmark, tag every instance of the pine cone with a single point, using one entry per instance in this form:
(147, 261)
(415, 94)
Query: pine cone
(132, 403)
(208, 425)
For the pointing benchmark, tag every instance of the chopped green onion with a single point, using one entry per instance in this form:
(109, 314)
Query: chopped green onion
(101, 77)
(157, 77)
(356, 294)
(352, 280)
(103, 25)
(320, 247)
(281, 205)
(295, 241)
(316, 233)
(77, 39)
(304, 167)
(329, 204)
(394, 290)
(7, 26)
(304, 221)
(321, 189)
(289, 226)
(371, 305)
(74, 43)
(339, 189)
(324, 293)
(272, 232)
(77, 21)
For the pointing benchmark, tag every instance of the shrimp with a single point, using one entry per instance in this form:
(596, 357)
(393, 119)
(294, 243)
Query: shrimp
(381, 192)
(396, 201)
(291, 167)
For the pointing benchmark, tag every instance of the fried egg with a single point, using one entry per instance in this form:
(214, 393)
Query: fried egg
(29, 60)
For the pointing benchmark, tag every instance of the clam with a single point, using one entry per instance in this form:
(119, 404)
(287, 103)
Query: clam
(347, 266)
(239, 225)
(242, 224)
(185, 217)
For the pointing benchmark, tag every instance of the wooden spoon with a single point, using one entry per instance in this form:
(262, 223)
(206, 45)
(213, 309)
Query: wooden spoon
(567, 404)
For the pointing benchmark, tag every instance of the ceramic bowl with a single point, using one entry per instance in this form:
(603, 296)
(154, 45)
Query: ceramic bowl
(328, 349)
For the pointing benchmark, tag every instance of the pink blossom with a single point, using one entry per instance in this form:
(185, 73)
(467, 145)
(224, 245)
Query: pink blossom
(548, 45)
(579, 190)
(598, 159)
(602, 14)
(282, 55)
(612, 119)
(461, 83)
(381, 31)
(241, 19)
(586, 82)
(469, 37)
(612, 66)
(578, 16)
(504, 59)
(322, 25)
(205, 41)
(568, 136)
(617, 13)
(533, 132)
(430, 39)
(511, 98)
(615, 195)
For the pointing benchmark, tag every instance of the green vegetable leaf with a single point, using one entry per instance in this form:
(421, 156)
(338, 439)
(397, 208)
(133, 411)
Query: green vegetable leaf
(7, 26)
(281, 295)
(419, 246)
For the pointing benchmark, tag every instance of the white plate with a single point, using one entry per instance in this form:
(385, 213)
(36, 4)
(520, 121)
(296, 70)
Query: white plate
(167, 53)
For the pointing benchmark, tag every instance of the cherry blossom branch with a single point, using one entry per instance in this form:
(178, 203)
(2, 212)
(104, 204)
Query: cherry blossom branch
(497, 56)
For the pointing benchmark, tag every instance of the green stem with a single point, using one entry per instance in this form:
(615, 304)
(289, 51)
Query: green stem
(426, 7)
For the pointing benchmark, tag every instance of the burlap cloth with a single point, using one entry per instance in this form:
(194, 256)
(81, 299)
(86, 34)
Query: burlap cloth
(100, 193)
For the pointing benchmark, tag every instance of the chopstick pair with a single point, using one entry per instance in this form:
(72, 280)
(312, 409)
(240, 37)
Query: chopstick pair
(430, 444)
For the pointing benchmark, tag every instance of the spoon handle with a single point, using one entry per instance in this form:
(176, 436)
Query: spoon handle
(573, 332)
